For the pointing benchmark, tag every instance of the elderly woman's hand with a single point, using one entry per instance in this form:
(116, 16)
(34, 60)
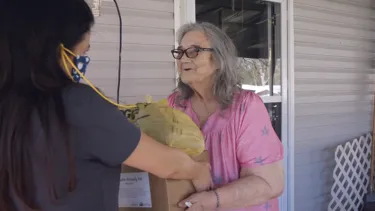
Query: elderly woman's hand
(202, 201)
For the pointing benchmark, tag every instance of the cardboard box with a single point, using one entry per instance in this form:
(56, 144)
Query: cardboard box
(141, 191)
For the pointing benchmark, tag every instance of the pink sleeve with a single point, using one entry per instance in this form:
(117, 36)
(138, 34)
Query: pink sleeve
(258, 143)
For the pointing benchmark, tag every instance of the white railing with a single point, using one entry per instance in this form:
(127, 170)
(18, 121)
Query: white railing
(351, 174)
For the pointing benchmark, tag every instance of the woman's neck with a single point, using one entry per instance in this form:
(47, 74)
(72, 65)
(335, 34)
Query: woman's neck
(203, 91)
(204, 94)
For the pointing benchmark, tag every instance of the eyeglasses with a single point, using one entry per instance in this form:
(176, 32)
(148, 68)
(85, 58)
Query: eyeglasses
(191, 52)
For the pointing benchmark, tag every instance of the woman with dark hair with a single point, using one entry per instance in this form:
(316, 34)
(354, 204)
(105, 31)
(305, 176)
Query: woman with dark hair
(61, 144)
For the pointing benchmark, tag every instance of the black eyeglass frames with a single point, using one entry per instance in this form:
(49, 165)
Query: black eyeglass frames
(191, 52)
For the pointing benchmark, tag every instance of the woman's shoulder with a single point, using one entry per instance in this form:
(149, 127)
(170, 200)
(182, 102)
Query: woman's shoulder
(77, 89)
(173, 99)
(173, 96)
(81, 95)
(246, 98)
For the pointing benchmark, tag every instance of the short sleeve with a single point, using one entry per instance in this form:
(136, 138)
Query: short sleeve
(258, 143)
(102, 130)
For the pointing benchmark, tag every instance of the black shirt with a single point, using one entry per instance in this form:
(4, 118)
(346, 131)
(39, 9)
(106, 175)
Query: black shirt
(101, 139)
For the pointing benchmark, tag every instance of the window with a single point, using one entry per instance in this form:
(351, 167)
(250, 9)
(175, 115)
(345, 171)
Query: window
(255, 28)
(274, 110)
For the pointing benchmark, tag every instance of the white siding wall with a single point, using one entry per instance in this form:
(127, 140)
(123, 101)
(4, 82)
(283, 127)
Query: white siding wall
(334, 84)
(148, 37)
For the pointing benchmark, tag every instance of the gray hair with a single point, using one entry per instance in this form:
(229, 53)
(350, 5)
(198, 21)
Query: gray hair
(228, 77)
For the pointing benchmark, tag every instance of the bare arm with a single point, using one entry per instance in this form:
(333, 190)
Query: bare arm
(259, 181)
(255, 187)
(165, 162)
(109, 138)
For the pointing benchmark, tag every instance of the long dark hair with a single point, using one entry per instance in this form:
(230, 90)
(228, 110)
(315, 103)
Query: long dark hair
(31, 81)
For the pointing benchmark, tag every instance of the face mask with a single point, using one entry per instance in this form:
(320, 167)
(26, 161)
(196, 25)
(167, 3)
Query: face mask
(79, 64)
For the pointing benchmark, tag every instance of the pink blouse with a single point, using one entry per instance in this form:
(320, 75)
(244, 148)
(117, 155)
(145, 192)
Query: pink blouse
(239, 137)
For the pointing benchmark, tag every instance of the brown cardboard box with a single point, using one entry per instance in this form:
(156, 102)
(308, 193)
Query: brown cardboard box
(141, 191)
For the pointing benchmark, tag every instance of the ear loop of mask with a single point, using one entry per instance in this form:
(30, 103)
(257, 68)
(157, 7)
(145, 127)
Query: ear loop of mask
(65, 57)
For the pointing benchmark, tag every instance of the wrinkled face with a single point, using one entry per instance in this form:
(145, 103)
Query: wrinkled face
(200, 67)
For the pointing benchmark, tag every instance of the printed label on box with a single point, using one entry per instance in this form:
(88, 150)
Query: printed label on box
(135, 190)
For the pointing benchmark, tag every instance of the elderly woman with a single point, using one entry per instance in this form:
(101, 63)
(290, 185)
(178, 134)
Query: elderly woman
(246, 154)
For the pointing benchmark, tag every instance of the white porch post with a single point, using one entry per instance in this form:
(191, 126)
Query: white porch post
(291, 104)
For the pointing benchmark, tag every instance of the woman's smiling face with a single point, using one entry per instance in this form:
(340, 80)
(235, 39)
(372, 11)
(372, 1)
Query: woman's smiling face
(200, 68)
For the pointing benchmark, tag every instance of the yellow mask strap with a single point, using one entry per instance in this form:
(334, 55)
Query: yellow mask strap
(66, 58)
